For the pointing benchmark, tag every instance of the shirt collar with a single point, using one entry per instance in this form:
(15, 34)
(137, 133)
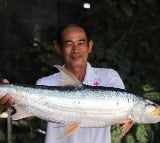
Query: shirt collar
(89, 76)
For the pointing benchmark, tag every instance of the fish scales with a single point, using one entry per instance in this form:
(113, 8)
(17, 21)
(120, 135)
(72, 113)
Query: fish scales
(79, 104)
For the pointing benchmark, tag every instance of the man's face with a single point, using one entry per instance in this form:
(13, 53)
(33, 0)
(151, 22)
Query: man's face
(75, 47)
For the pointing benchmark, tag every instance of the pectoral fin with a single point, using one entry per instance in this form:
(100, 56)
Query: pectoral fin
(20, 113)
(70, 130)
(126, 127)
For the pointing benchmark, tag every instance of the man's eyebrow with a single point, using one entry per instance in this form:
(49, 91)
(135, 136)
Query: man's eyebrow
(83, 40)
(66, 41)
(80, 40)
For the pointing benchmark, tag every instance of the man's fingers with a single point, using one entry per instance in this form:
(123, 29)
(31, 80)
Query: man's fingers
(7, 100)
(4, 99)
(11, 102)
(5, 81)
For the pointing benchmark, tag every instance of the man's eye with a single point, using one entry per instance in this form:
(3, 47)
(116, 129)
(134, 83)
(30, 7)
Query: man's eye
(82, 42)
(68, 44)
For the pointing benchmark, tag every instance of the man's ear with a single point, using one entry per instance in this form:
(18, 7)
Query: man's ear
(57, 48)
(91, 43)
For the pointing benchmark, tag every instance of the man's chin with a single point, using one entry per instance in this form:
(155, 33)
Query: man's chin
(77, 64)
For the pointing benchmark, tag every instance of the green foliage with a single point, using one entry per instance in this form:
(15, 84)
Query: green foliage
(31, 130)
(129, 139)
(2, 136)
(116, 134)
(150, 93)
(143, 132)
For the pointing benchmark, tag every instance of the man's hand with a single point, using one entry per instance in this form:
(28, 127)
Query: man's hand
(6, 99)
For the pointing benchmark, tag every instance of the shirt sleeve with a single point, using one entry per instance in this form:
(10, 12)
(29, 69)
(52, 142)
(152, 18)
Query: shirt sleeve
(115, 80)
(109, 78)
(51, 80)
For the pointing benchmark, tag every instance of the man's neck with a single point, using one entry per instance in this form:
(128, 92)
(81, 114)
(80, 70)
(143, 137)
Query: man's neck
(79, 72)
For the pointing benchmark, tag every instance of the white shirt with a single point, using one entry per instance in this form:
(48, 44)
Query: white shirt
(94, 77)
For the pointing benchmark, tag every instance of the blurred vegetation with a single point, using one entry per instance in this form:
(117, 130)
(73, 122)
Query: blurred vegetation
(126, 36)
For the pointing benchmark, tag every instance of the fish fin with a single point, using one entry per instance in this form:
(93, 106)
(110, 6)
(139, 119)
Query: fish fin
(67, 77)
(70, 130)
(126, 127)
(4, 115)
(20, 113)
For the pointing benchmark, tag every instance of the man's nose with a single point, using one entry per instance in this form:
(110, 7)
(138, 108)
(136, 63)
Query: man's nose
(75, 48)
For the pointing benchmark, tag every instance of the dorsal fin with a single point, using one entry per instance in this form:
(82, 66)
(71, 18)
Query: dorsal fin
(67, 77)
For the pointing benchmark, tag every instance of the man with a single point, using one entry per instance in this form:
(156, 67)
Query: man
(74, 45)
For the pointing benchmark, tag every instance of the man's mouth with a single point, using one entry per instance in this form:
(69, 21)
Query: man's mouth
(76, 56)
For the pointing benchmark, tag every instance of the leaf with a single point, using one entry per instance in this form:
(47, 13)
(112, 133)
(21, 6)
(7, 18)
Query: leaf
(143, 133)
(127, 8)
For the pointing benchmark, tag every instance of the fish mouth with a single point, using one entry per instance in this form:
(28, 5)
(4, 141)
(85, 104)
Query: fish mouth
(154, 112)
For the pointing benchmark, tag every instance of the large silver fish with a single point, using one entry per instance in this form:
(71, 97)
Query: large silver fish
(80, 105)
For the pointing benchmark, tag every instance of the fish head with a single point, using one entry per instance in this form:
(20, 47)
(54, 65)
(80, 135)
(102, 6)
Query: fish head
(146, 112)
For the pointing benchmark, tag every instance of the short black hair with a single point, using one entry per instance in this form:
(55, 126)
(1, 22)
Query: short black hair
(59, 38)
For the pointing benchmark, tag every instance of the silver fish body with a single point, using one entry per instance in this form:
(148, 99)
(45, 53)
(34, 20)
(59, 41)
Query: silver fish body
(85, 106)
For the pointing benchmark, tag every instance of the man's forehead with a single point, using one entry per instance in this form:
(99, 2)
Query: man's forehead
(74, 32)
